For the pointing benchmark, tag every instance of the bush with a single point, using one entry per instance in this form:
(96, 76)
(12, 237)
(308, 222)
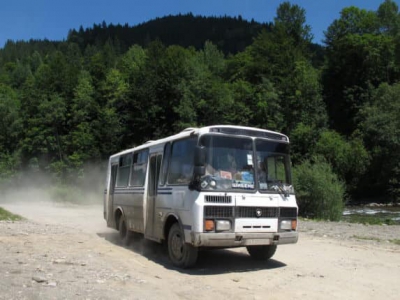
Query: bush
(6, 215)
(319, 192)
(9, 165)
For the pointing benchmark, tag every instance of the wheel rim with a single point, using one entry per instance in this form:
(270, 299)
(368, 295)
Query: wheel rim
(177, 246)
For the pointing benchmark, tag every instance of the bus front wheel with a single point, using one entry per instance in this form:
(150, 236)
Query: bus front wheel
(261, 252)
(181, 254)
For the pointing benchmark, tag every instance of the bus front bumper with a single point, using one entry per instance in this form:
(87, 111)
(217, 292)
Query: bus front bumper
(235, 239)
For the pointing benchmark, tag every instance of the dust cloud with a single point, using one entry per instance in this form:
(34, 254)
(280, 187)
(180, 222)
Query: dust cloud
(37, 186)
(38, 198)
(41, 198)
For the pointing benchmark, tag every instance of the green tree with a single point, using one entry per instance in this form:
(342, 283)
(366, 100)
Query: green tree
(349, 159)
(213, 58)
(388, 17)
(85, 114)
(359, 58)
(303, 140)
(380, 126)
(10, 122)
(291, 21)
(303, 102)
(280, 58)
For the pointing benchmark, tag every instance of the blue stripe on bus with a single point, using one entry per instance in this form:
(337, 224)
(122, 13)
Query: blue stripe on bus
(129, 192)
(186, 227)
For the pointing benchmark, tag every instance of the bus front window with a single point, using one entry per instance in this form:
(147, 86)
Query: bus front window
(229, 163)
(273, 164)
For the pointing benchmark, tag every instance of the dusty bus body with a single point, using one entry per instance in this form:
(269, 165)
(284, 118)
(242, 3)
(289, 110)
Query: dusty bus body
(216, 186)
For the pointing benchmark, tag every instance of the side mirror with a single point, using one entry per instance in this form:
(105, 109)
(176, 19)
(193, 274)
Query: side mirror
(199, 170)
(199, 156)
(199, 161)
(199, 167)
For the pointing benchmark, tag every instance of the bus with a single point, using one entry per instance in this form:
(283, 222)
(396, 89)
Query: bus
(215, 187)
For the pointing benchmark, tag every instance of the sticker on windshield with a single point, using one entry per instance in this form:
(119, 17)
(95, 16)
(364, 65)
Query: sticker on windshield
(249, 159)
(243, 185)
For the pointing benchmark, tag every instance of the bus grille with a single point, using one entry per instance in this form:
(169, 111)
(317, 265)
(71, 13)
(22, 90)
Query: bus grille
(257, 212)
(288, 212)
(218, 212)
(249, 212)
(218, 199)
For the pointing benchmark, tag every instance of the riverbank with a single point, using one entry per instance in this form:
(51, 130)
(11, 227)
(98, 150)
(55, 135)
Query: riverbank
(378, 235)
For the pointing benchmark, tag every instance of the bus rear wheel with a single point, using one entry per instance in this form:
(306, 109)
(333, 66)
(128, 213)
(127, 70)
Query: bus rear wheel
(124, 233)
(181, 254)
(261, 252)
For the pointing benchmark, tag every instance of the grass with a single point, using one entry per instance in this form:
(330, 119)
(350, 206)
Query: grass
(7, 216)
(369, 219)
(368, 238)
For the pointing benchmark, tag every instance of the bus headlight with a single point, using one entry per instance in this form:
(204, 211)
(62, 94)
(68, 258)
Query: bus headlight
(223, 225)
(289, 224)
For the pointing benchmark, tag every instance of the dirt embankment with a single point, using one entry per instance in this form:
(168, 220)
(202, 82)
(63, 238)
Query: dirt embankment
(66, 252)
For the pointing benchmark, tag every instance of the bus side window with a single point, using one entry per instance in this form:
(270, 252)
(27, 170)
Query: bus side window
(181, 165)
(139, 168)
(165, 162)
(123, 170)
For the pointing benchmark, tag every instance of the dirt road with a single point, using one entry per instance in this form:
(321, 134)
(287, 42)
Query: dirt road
(66, 252)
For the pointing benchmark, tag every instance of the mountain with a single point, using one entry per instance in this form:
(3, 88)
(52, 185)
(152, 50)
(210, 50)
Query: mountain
(230, 34)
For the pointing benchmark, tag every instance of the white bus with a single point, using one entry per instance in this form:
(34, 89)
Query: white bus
(212, 187)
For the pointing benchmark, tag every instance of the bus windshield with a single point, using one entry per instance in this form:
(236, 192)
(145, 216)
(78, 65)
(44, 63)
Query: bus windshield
(232, 163)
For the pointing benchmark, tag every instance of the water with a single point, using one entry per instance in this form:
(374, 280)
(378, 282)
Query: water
(373, 213)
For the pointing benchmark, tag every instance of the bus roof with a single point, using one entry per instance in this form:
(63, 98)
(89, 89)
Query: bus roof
(223, 129)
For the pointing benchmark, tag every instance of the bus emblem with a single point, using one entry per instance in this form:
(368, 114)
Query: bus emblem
(258, 212)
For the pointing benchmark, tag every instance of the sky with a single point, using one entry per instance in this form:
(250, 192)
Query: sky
(52, 19)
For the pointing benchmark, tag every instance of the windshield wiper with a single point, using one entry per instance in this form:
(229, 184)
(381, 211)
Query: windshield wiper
(278, 186)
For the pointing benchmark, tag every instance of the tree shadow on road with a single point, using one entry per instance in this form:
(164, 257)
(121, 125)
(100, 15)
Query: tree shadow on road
(210, 262)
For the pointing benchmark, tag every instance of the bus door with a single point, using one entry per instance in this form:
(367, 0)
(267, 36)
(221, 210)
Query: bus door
(111, 188)
(154, 172)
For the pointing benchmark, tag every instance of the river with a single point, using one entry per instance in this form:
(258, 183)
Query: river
(373, 212)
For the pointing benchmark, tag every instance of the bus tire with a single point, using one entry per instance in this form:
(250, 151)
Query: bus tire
(261, 252)
(181, 254)
(124, 233)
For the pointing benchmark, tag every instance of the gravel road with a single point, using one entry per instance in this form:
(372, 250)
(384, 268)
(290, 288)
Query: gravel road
(66, 252)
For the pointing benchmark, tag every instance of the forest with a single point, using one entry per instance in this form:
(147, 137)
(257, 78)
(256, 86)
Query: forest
(68, 105)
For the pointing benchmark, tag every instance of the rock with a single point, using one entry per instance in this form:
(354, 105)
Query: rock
(52, 284)
(39, 279)
(62, 262)
(59, 261)
(140, 281)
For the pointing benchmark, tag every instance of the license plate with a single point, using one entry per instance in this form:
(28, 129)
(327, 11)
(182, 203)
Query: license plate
(252, 242)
